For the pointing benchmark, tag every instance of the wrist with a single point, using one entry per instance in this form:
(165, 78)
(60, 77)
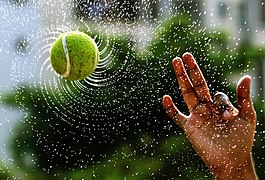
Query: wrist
(244, 170)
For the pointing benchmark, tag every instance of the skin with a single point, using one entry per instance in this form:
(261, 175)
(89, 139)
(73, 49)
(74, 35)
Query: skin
(224, 144)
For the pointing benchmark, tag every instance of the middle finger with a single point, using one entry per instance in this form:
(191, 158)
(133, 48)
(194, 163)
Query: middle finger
(185, 84)
(198, 81)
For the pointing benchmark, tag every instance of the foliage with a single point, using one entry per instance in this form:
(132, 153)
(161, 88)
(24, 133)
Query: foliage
(5, 173)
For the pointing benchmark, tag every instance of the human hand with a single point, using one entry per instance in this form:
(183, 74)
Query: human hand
(221, 135)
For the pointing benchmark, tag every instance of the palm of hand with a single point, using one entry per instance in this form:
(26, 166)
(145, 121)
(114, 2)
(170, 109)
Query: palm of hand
(220, 143)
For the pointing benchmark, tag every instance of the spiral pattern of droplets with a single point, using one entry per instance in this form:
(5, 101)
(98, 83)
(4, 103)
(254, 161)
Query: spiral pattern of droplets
(99, 78)
(61, 95)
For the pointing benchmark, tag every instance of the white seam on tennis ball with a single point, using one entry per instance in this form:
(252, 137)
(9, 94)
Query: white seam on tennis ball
(68, 64)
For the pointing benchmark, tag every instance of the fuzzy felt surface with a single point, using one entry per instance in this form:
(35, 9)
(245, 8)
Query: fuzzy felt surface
(83, 55)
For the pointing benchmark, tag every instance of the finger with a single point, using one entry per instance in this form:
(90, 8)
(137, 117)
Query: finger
(198, 81)
(185, 84)
(172, 111)
(245, 106)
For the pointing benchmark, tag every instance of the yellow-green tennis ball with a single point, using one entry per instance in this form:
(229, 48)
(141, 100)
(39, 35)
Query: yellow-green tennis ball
(74, 55)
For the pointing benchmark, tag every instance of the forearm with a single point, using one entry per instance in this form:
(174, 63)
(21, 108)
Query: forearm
(242, 171)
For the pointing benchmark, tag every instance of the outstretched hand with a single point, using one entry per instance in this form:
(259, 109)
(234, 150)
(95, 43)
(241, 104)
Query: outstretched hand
(221, 134)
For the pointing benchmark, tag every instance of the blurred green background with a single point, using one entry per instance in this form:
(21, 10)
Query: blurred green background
(134, 138)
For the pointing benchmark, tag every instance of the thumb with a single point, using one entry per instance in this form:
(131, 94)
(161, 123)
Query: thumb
(245, 105)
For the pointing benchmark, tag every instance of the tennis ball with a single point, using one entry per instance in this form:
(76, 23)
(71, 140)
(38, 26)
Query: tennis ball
(74, 55)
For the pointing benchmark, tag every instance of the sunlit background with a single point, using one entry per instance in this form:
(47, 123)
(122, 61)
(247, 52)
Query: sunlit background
(112, 124)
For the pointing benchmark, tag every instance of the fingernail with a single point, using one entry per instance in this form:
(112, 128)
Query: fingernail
(245, 79)
(187, 55)
(188, 58)
(176, 61)
(178, 64)
(167, 101)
